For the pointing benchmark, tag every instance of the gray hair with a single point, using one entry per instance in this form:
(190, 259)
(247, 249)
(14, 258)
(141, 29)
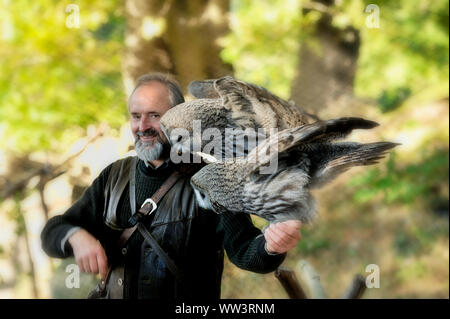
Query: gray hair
(175, 93)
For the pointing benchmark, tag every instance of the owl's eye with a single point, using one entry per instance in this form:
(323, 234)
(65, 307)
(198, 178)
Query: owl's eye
(179, 138)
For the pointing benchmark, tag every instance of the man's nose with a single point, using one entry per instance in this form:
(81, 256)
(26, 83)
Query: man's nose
(145, 123)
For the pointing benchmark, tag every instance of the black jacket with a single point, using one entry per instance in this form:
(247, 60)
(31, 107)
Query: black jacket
(193, 238)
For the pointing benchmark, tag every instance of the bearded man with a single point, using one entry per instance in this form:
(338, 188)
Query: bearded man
(185, 260)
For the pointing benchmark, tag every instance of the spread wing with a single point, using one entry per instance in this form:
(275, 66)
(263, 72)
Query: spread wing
(336, 158)
(283, 142)
(249, 101)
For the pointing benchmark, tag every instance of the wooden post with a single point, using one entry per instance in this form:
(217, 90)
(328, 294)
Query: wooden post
(356, 288)
(311, 280)
(290, 283)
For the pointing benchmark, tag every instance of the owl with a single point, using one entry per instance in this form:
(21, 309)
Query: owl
(223, 116)
(305, 157)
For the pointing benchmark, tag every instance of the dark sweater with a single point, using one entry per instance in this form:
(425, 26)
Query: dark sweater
(242, 241)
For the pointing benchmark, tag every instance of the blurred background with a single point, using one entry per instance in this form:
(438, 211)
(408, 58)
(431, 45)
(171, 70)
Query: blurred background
(67, 67)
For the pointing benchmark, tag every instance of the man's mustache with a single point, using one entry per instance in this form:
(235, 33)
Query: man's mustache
(152, 133)
(149, 132)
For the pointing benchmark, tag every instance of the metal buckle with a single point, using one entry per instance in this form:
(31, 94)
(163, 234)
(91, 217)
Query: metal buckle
(154, 206)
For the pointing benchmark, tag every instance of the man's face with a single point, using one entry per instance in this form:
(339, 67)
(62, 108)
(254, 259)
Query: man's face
(146, 106)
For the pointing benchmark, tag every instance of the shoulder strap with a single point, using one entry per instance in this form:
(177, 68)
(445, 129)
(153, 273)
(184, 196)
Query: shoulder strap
(148, 207)
(159, 250)
(145, 210)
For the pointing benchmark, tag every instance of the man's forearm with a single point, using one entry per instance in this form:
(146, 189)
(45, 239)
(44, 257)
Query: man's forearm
(65, 239)
(54, 237)
(245, 245)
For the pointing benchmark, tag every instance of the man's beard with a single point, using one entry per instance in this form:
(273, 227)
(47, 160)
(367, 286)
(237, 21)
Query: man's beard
(150, 151)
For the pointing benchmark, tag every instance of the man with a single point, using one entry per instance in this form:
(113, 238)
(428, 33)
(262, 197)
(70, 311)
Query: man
(193, 238)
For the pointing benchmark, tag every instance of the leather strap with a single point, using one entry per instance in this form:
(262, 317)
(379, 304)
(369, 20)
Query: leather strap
(126, 234)
(145, 210)
(160, 193)
(165, 187)
(157, 248)
(132, 187)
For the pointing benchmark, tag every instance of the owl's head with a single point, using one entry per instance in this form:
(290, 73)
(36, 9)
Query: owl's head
(213, 189)
(185, 123)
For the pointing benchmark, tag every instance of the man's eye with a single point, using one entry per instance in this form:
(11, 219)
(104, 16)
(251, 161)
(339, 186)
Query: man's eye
(155, 116)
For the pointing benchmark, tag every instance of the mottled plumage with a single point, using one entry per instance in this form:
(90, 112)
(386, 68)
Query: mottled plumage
(264, 108)
(307, 157)
(228, 103)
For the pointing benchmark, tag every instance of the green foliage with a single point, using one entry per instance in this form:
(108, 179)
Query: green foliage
(263, 42)
(409, 50)
(413, 271)
(56, 80)
(313, 244)
(418, 238)
(405, 244)
(407, 53)
(391, 99)
(424, 181)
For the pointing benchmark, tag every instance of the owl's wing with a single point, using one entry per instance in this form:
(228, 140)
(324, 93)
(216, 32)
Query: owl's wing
(249, 101)
(333, 159)
(203, 89)
(322, 131)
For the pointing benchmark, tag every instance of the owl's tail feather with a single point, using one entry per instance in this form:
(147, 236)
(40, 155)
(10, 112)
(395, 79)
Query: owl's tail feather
(361, 155)
(341, 127)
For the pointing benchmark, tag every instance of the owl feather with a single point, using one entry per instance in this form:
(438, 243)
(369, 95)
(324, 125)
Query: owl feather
(306, 157)
(227, 103)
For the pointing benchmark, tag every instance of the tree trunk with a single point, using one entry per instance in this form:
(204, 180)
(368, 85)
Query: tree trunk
(22, 232)
(326, 67)
(177, 37)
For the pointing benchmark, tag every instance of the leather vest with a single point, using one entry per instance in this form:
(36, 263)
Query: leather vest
(185, 232)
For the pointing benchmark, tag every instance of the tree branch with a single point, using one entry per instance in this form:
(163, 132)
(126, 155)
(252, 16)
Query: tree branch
(47, 171)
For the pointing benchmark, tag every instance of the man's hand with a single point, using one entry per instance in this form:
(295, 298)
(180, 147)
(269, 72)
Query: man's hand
(89, 253)
(281, 237)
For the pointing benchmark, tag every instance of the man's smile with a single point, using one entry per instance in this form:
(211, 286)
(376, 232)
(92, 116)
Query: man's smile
(147, 138)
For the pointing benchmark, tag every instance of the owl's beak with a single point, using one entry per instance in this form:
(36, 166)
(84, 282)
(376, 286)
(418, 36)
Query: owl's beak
(207, 158)
(163, 129)
(203, 201)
